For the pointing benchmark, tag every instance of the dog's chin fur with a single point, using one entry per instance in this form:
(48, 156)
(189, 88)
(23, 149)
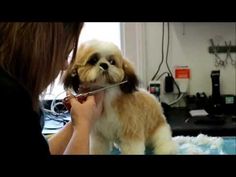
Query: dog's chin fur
(132, 118)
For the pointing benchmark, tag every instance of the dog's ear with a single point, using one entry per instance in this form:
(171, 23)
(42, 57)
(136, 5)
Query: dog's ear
(71, 79)
(130, 76)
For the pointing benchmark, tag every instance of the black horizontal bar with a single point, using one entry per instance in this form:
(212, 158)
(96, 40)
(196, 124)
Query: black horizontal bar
(222, 49)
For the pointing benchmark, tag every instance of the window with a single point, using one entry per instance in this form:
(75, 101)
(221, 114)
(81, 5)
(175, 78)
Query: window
(103, 31)
(107, 31)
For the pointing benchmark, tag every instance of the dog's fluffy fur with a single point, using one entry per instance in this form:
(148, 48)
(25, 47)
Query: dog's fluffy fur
(132, 118)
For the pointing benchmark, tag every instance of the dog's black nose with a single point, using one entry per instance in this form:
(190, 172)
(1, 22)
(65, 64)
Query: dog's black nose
(104, 66)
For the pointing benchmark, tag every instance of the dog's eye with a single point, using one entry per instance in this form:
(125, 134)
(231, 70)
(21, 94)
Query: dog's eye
(112, 61)
(93, 59)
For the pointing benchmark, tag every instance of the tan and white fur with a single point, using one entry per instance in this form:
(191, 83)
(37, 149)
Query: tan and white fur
(132, 118)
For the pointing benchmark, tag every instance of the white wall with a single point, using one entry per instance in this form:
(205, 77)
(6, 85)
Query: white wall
(189, 44)
(133, 45)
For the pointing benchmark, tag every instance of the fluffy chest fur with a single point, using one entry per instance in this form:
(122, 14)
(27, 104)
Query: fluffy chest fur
(109, 124)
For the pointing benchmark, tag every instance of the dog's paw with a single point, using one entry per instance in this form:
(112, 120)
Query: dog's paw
(167, 148)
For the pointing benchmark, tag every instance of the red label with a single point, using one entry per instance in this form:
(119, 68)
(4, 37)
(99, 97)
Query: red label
(182, 73)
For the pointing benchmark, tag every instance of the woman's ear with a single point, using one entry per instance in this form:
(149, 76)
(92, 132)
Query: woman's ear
(71, 79)
(130, 76)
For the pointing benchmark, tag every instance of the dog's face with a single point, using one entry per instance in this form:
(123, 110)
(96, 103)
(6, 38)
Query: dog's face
(100, 63)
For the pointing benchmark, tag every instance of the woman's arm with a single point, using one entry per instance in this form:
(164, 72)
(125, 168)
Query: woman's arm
(79, 142)
(58, 142)
(74, 137)
(67, 141)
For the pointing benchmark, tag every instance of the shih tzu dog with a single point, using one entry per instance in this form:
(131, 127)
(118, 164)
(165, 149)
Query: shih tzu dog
(132, 118)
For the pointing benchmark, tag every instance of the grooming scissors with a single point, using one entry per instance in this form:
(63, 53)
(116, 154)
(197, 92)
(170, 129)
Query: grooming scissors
(228, 55)
(218, 60)
(83, 96)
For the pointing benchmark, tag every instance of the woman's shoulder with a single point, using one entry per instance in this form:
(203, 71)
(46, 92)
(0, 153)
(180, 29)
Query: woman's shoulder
(15, 100)
(10, 88)
(20, 122)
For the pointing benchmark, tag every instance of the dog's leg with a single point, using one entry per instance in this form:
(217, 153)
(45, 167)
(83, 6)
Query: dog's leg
(162, 141)
(99, 144)
(131, 146)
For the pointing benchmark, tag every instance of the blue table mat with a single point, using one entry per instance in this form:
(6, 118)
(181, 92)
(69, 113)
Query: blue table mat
(228, 147)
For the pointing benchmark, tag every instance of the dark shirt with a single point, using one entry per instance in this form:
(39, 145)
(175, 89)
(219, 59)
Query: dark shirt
(20, 131)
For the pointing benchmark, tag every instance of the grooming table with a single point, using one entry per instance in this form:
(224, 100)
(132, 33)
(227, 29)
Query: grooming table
(201, 144)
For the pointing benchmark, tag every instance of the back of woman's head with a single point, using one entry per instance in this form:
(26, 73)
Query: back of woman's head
(35, 53)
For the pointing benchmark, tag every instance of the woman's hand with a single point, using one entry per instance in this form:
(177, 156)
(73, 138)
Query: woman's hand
(86, 113)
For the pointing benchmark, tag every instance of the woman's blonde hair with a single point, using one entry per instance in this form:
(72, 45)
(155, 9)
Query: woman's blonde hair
(35, 53)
